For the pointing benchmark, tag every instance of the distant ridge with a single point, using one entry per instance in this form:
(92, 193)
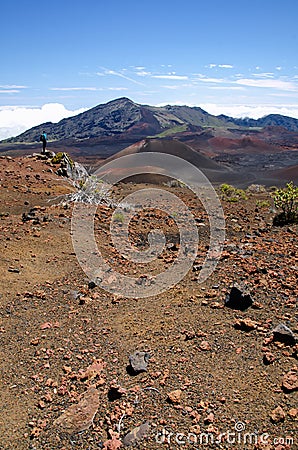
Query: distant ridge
(122, 117)
(275, 120)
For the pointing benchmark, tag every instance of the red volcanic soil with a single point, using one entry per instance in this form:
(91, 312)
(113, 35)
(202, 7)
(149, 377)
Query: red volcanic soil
(234, 156)
(65, 378)
(248, 144)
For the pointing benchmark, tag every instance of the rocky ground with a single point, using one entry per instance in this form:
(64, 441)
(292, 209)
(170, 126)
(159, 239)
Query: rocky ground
(216, 375)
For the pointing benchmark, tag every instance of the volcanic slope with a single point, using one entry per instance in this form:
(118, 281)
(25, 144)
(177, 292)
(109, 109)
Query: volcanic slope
(215, 172)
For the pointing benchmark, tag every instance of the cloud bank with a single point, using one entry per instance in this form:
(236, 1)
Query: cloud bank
(254, 112)
(17, 119)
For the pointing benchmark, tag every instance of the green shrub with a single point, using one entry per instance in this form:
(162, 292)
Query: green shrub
(62, 157)
(82, 184)
(231, 194)
(57, 158)
(263, 204)
(286, 199)
(118, 217)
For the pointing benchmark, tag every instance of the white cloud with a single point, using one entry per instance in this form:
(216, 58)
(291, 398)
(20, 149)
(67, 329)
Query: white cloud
(118, 89)
(254, 112)
(171, 86)
(222, 66)
(89, 89)
(16, 119)
(265, 80)
(143, 73)
(9, 91)
(264, 75)
(225, 66)
(119, 74)
(12, 86)
(74, 89)
(265, 83)
(229, 88)
(212, 80)
(171, 77)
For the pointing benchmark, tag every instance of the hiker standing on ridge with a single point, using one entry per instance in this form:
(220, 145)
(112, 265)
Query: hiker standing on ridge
(43, 139)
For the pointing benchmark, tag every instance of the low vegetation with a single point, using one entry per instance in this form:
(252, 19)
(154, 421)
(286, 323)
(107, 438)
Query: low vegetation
(170, 131)
(263, 204)
(286, 200)
(118, 217)
(61, 157)
(231, 194)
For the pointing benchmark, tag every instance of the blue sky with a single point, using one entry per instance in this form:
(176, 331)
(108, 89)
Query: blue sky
(62, 57)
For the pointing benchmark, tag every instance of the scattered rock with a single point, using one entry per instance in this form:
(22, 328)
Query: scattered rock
(49, 154)
(268, 358)
(80, 417)
(290, 381)
(69, 168)
(91, 285)
(256, 188)
(78, 172)
(268, 340)
(31, 215)
(257, 305)
(196, 429)
(46, 325)
(282, 333)
(41, 156)
(209, 418)
(112, 444)
(278, 415)
(139, 361)
(245, 324)
(293, 412)
(205, 346)
(115, 392)
(13, 270)
(175, 396)
(136, 434)
(189, 334)
(211, 293)
(239, 300)
(216, 305)
(93, 370)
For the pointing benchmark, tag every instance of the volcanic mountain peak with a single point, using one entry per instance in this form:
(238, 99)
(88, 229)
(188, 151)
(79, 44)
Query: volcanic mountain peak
(111, 119)
(124, 118)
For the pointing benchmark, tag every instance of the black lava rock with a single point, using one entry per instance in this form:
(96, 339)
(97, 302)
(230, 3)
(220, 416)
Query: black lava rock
(239, 300)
